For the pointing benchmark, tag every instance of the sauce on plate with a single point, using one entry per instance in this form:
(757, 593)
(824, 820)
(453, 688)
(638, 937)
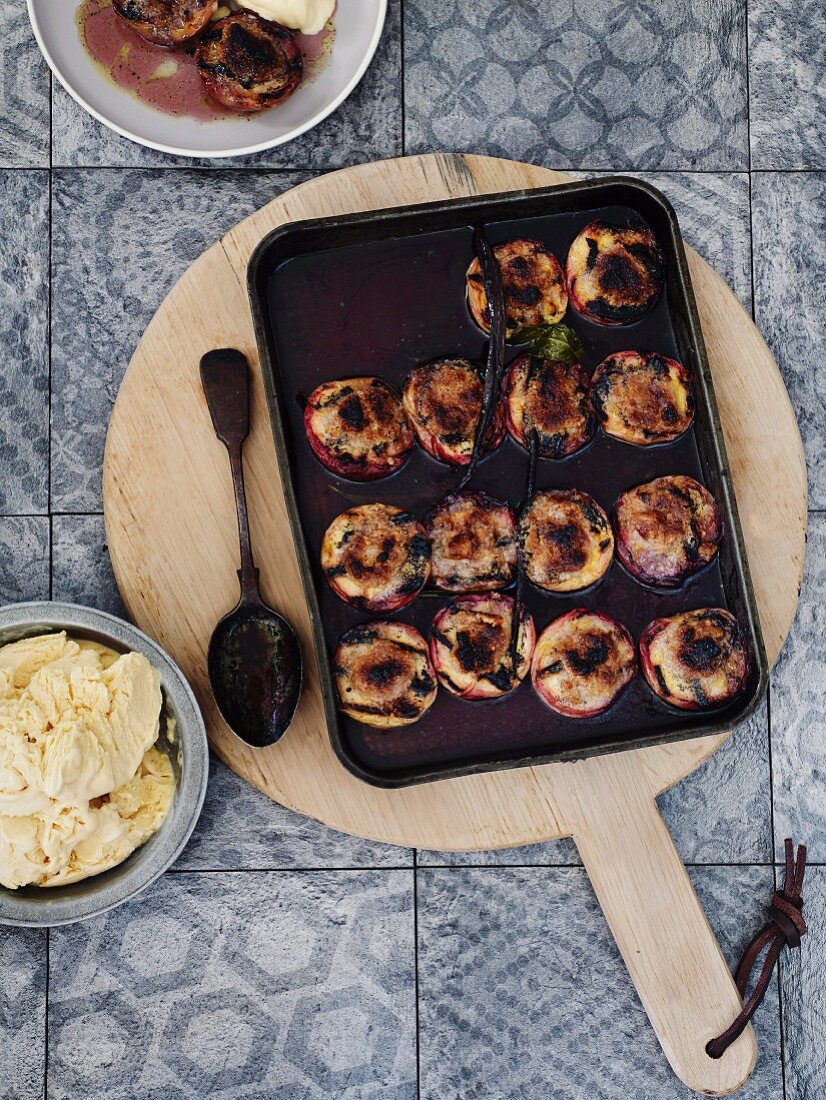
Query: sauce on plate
(168, 80)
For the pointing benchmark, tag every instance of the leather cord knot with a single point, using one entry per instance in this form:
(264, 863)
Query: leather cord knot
(785, 927)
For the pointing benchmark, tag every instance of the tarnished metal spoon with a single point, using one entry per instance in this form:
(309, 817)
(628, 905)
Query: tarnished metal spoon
(254, 659)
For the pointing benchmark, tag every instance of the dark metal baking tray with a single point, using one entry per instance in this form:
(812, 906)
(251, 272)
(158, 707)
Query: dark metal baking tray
(378, 293)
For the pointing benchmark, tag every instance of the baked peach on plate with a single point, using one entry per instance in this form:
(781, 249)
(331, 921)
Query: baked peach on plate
(376, 557)
(167, 23)
(582, 663)
(383, 674)
(695, 659)
(248, 63)
(471, 646)
(567, 540)
(667, 529)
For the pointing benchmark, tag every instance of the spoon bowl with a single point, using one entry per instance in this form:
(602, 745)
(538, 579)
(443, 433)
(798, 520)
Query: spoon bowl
(254, 659)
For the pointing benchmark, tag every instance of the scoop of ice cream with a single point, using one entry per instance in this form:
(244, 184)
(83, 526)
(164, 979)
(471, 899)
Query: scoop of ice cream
(80, 784)
(306, 16)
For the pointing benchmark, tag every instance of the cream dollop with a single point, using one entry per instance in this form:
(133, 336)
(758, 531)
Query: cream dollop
(306, 16)
(81, 785)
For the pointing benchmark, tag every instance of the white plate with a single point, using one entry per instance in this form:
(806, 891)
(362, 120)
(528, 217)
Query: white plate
(358, 25)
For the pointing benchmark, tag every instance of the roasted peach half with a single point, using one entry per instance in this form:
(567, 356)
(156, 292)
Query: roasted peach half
(443, 400)
(642, 397)
(566, 539)
(383, 674)
(552, 399)
(167, 23)
(582, 663)
(471, 650)
(614, 273)
(376, 557)
(248, 63)
(357, 428)
(667, 529)
(473, 543)
(695, 659)
(533, 284)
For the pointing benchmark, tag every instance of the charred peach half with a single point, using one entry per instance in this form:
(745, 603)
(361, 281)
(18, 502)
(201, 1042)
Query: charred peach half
(357, 428)
(582, 663)
(566, 539)
(443, 400)
(473, 543)
(552, 399)
(167, 23)
(642, 397)
(471, 650)
(695, 659)
(533, 284)
(376, 557)
(248, 63)
(383, 674)
(614, 273)
(667, 529)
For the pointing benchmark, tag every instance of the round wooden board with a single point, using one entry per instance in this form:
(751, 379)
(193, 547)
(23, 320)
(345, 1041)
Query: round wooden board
(171, 530)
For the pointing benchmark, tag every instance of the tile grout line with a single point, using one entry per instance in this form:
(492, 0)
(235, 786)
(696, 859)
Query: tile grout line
(372, 868)
(416, 970)
(51, 531)
(46, 1019)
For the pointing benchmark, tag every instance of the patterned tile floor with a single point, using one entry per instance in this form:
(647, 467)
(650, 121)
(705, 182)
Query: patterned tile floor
(282, 960)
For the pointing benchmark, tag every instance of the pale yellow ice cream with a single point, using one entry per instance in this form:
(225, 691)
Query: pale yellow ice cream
(81, 785)
(307, 16)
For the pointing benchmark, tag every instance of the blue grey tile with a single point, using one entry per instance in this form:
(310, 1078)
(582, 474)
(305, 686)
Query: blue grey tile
(594, 84)
(721, 813)
(81, 569)
(24, 354)
(524, 995)
(121, 240)
(787, 100)
(789, 222)
(804, 998)
(22, 1013)
(367, 126)
(799, 711)
(24, 94)
(254, 985)
(24, 558)
(242, 829)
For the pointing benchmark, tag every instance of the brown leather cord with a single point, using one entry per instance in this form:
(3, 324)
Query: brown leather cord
(785, 928)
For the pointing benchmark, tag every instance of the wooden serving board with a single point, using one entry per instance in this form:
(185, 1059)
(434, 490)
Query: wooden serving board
(171, 529)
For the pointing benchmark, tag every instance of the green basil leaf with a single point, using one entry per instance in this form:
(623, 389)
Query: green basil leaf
(559, 343)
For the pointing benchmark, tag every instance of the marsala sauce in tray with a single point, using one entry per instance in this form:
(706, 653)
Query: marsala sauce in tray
(381, 308)
(168, 80)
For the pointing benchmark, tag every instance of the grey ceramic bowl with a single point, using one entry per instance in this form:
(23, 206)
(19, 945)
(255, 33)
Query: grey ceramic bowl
(34, 906)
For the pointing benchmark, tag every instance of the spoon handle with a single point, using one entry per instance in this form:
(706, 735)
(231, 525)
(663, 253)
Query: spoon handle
(225, 380)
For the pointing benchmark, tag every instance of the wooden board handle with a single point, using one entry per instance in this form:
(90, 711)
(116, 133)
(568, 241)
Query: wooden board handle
(662, 932)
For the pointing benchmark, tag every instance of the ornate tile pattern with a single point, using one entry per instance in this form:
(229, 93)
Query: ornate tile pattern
(591, 84)
(113, 234)
(24, 94)
(24, 558)
(81, 569)
(523, 993)
(244, 985)
(367, 126)
(24, 379)
(799, 712)
(787, 58)
(804, 992)
(22, 1013)
(789, 216)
